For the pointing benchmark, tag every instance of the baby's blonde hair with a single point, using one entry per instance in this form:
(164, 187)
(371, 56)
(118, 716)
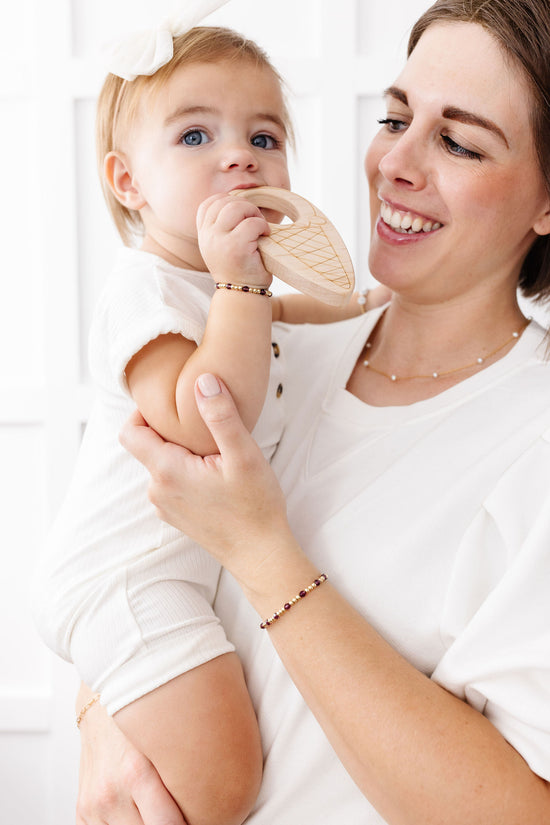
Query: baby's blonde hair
(119, 102)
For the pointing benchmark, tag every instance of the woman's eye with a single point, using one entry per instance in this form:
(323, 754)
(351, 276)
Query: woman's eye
(393, 124)
(264, 142)
(456, 149)
(194, 137)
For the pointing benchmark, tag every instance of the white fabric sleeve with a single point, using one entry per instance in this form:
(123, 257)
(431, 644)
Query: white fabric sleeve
(141, 302)
(499, 657)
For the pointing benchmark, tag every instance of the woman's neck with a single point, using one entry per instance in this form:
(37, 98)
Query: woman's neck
(415, 338)
(416, 352)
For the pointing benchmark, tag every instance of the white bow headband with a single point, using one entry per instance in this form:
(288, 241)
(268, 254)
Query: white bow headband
(144, 52)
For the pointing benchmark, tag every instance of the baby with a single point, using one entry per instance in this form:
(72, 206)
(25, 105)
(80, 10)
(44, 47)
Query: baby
(122, 595)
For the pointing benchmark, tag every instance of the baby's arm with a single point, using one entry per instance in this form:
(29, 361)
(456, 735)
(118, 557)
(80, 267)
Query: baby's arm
(237, 340)
(199, 730)
(303, 309)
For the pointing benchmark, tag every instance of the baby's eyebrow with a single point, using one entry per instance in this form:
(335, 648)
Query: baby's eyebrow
(278, 121)
(186, 111)
(454, 113)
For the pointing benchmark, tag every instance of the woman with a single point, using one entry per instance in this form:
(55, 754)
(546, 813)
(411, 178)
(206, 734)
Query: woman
(414, 685)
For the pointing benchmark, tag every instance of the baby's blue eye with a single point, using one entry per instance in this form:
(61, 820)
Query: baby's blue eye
(264, 142)
(195, 137)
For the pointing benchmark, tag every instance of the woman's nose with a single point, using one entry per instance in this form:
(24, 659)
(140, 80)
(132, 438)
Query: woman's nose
(406, 162)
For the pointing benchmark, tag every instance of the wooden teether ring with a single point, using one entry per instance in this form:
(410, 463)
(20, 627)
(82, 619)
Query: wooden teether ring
(308, 254)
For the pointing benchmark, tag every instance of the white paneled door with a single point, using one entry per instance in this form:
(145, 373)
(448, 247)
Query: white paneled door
(57, 245)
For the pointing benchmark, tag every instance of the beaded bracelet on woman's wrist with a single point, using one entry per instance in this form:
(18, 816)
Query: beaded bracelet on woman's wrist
(301, 595)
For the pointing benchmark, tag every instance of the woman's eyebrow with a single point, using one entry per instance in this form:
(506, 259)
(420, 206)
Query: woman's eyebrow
(454, 113)
(399, 94)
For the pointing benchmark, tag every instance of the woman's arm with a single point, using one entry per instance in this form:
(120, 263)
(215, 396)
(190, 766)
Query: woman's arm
(236, 342)
(416, 751)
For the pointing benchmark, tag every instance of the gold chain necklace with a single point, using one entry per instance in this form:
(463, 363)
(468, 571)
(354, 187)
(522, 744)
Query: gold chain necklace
(478, 362)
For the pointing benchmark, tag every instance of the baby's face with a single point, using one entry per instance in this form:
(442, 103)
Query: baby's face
(211, 128)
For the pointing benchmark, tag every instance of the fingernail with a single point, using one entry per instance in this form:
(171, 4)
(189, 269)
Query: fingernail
(208, 385)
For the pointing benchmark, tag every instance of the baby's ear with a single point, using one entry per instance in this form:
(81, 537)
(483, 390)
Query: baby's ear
(120, 180)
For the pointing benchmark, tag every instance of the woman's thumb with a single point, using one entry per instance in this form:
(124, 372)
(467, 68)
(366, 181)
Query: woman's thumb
(208, 385)
(219, 413)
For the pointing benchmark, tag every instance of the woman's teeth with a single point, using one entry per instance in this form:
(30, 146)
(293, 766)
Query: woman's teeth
(405, 222)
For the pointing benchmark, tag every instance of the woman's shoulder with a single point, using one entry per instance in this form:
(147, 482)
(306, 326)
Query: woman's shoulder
(528, 364)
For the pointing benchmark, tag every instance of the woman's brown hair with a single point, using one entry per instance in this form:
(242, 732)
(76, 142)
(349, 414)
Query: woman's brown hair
(522, 28)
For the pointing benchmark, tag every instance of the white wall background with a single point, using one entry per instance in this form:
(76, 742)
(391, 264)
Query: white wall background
(57, 244)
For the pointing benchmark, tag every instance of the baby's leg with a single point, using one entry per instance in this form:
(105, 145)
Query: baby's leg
(150, 643)
(201, 733)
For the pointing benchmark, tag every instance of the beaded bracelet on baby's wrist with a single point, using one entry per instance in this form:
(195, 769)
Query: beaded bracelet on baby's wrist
(255, 290)
(301, 595)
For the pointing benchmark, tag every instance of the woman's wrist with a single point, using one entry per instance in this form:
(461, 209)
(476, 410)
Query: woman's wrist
(289, 604)
(283, 572)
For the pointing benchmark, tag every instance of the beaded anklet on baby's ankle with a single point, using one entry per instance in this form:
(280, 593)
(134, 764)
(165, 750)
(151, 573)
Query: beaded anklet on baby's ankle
(301, 595)
(255, 290)
(86, 708)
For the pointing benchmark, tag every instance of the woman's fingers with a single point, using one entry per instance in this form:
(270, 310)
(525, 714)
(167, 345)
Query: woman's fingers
(146, 444)
(220, 415)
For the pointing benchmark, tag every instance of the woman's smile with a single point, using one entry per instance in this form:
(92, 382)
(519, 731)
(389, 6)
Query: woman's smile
(407, 222)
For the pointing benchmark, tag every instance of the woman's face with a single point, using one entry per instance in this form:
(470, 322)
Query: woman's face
(456, 192)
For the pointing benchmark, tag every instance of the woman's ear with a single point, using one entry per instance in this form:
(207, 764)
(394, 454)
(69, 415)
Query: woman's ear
(542, 225)
(121, 182)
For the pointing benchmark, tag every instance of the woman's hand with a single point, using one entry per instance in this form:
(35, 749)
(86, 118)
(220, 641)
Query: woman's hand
(118, 785)
(229, 503)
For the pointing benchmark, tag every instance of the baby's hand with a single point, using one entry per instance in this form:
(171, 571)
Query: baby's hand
(228, 231)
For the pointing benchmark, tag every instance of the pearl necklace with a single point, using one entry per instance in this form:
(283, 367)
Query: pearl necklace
(478, 362)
